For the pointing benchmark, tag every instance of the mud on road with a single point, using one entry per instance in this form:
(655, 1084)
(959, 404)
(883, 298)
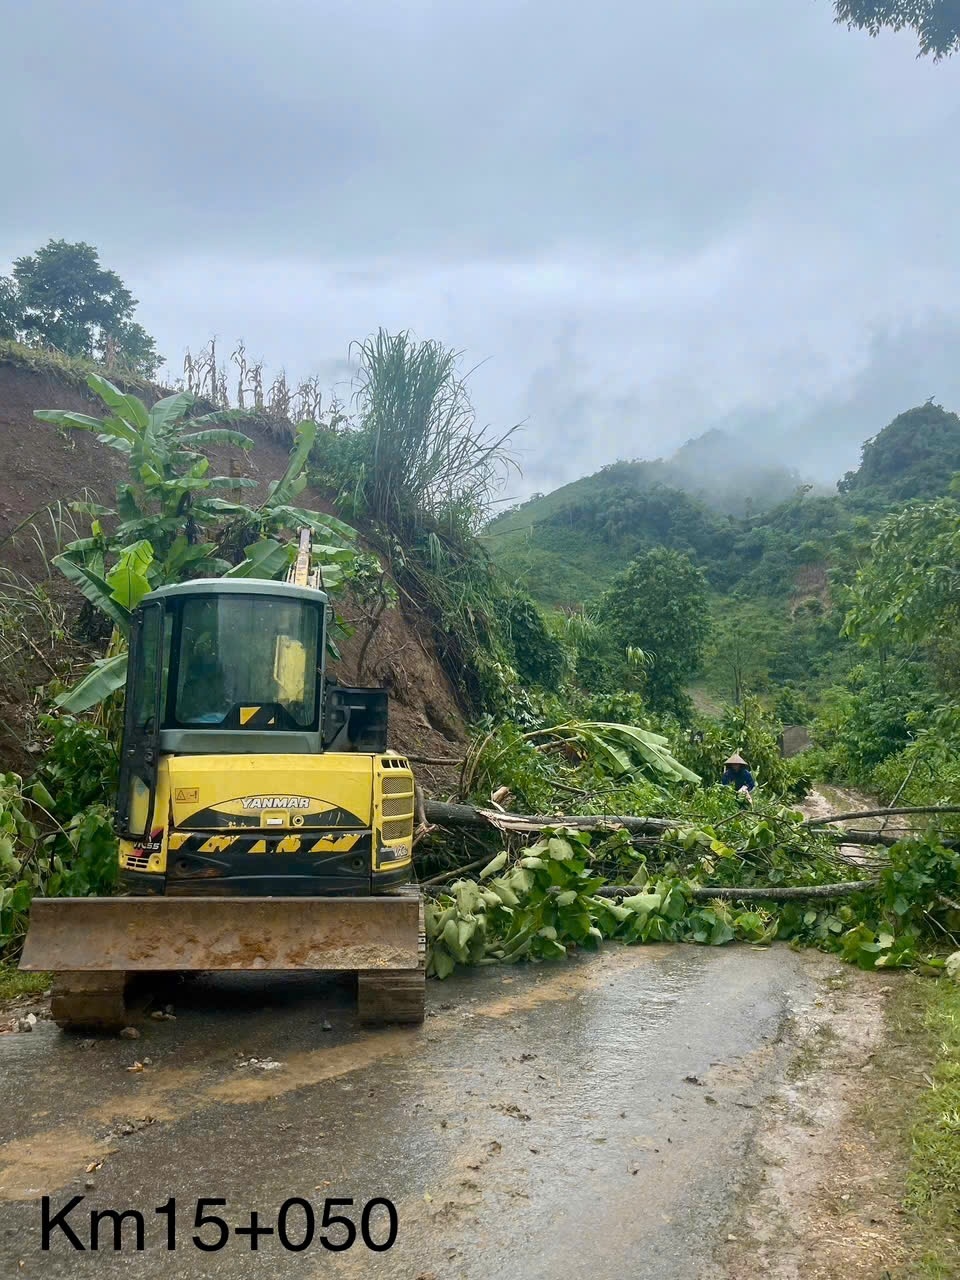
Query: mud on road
(600, 1117)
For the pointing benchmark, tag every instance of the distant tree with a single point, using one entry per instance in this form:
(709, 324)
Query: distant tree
(909, 589)
(659, 604)
(11, 317)
(61, 295)
(538, 655)
(936, 22)
(913, 457)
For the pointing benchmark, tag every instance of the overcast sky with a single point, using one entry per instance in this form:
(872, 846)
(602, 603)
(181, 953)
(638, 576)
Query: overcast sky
(646, 220)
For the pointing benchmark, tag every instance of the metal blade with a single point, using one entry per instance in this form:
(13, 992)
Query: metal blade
(150, 934)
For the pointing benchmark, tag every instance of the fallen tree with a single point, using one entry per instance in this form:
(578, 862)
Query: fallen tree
(442, 814)
(467, 815)
(758, 892)
(584, 881)
(882, 813)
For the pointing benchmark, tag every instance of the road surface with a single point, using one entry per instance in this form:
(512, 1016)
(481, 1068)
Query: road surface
(592, 1118)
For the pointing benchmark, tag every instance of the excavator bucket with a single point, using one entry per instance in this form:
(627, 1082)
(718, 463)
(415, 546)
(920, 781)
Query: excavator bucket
(93, 945)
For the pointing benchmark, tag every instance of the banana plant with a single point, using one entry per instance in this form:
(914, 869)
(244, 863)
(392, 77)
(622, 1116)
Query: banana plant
(161, 511)
(121, 590)
(622, 747)
(167, 499)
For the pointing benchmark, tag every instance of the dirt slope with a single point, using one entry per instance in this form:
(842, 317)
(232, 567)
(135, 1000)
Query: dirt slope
(41, 469)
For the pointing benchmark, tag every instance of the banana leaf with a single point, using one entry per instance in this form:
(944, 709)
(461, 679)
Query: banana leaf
(317, 522)
(105, 677)
(96, 589)
(285, 489)
(124, 406)
(182, 553)
(650, 746)
(264, 559)
(64, 418)
(219, 416)
(170, 409)
(620, 744)
(218, 436)
(128, 578)
(230, 482)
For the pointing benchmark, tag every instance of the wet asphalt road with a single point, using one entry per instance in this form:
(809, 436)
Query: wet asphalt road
(539, 1124)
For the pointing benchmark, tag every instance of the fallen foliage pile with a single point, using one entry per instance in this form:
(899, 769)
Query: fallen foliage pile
(578, 886)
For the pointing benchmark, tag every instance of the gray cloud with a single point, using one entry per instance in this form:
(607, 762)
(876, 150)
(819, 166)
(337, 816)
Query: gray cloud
(646, 221)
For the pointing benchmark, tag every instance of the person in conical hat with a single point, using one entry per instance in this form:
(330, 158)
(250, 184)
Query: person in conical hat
(737, 774)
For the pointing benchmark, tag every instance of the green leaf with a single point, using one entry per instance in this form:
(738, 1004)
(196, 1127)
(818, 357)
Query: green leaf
(230, 482)
(22, 894)
(219, 416)
(218, 435)
(42, 796)
(125, 406)
(128, 578)
(642, 902)
(90, 509)
(183, 553)
(105, 677)
(264, 559)
(95, 589)
(559, 849)
(166, 412)
(282, 492)
(64, 418)
(498, 863)
(221, 507)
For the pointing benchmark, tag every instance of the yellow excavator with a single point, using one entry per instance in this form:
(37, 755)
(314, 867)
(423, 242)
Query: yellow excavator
(263, 823)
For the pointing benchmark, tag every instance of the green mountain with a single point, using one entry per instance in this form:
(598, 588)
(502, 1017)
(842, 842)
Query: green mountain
(565, 546)
(768, 562)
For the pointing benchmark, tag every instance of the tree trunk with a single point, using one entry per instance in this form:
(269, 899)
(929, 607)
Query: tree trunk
(769, 893)
(465, 815)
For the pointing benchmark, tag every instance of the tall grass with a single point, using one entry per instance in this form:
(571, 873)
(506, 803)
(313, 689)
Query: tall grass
(424, 460)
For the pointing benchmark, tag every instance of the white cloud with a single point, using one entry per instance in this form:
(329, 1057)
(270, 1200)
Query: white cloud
(642, 220)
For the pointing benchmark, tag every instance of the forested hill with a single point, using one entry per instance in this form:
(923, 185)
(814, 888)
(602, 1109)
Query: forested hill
(751, 525)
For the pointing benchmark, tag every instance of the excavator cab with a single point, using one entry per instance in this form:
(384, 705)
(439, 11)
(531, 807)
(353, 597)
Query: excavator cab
(262, 822)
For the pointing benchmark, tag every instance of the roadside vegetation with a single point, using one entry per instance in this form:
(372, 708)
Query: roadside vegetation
(933, 1184)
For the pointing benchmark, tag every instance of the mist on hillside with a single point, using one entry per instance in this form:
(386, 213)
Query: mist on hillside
(812, 426)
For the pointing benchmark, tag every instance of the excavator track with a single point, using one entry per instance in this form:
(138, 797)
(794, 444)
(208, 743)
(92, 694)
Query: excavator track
(396, 996)
(90, 1001)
